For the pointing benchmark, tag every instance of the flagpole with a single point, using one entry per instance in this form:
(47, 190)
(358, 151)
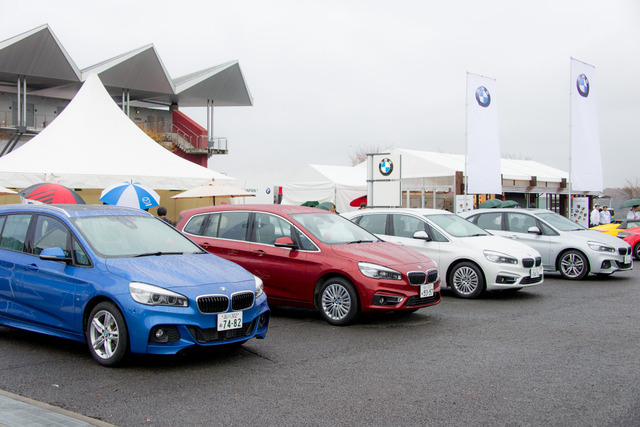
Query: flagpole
(570, 138)
(466, 135)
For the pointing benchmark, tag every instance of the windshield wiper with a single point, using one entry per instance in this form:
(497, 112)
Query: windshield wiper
(159, 253)
(360, 241)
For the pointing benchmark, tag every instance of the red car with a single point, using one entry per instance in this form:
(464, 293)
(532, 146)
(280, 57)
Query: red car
(313, 258)
(632, 237)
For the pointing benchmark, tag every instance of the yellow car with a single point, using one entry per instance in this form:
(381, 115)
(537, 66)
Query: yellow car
(616, 226)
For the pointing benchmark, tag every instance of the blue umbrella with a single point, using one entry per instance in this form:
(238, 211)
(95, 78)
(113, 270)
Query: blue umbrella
(130, 194)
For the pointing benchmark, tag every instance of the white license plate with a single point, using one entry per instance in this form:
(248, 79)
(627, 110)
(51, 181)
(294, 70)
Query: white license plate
(231, 320)
(535, 272)
(426, 290)
(627, 259)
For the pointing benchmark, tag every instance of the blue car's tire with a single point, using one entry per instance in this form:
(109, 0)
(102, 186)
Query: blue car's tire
(106, 334)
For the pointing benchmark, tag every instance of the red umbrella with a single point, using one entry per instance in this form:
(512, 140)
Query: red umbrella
(51, 194)
(358, 201)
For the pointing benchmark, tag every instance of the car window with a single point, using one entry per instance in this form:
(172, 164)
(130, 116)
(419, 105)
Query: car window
(406, 225)
(520, 223)
(14, 232)
(333, 229)
(490, 221)
(633, 223)
(213, 224)
(194, 226)
(456, 226)
(374, 223)
(435, 235)
(130, 236)
(233, 225)
(50, 233)
(79, 254)
(268, 228)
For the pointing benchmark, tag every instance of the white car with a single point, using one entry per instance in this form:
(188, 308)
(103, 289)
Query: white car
(470, 260)
(565, 246)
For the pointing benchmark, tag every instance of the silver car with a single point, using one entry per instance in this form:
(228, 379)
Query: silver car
(565, 246)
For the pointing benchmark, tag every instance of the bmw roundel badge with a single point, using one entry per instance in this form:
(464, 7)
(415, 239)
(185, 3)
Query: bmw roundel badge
(386, 167)
(583, 85)
(483, 96)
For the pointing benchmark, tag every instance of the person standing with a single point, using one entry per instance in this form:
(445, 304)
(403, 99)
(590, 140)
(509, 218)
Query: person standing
(162, 214)
(633, 212)
(594, 218)
(605, 215)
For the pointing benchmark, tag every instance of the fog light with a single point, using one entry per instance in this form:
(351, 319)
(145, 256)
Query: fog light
(386, 300)
(506, 279)
(606, 265)
(263, 320)
(164, 334)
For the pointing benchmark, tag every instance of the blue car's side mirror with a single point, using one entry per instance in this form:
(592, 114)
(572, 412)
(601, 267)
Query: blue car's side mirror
(54, 254)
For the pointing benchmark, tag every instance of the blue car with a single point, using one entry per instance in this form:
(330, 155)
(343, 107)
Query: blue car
(122, 281)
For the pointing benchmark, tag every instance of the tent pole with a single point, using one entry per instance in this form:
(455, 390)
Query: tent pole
(19, 107)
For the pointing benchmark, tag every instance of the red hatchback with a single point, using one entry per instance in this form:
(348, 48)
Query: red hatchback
(632, 237)
(312, 258)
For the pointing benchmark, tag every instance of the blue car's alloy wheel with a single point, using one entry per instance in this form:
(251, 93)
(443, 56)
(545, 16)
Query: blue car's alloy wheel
(107, 334)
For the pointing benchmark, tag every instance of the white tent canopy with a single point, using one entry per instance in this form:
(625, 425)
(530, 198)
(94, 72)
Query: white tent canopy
(93, 144)
(428, 164)
(337, 184)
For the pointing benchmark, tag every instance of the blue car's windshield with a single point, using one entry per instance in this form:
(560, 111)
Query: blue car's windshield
(130, 236)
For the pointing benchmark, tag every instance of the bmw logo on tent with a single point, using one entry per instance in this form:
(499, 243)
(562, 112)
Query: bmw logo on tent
(483, 97)
(583, 85)
(386, 167)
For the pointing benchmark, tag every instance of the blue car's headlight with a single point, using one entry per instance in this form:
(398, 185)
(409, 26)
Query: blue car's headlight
(499, 258)
(259, 286)
(154, 295)
(376, 271)
(600, 247)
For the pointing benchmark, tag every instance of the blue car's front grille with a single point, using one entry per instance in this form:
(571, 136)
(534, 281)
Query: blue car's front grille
(242, 301)
(204, 336)
(212, 304)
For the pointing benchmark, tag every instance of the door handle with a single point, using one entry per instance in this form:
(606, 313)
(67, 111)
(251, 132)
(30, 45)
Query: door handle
(259, 253)
(32, 267)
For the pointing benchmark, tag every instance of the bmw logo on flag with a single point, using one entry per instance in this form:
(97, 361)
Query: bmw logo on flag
(483, 97)
(386, 167)
(583, 85)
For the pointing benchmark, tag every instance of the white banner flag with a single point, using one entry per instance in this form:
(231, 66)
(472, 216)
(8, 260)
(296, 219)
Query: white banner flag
(483, 143)
(586, 160)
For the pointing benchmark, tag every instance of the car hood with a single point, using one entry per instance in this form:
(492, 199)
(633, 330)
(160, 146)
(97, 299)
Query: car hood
(500, 244)
(596, 236)
(179, 271)
(382, 253)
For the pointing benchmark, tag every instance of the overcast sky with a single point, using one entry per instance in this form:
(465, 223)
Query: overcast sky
(330, 77)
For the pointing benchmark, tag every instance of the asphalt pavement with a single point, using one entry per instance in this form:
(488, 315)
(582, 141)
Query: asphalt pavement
(562, 353)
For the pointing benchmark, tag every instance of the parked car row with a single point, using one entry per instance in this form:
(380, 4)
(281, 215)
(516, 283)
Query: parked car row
(123, 281)
(470, 259)
(565, 246)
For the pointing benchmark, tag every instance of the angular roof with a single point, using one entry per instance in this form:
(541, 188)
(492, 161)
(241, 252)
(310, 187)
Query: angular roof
(38, 55)
(49, 71)
(75, 151)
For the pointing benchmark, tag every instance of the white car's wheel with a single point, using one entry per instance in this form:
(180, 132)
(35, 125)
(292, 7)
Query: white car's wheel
(573, 265)
(466, 280)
